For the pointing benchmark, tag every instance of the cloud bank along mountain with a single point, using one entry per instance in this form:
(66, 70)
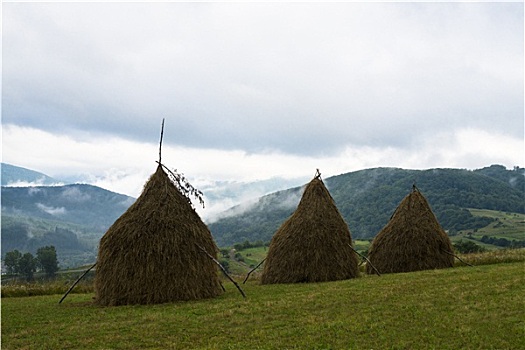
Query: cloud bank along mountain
(223, 198)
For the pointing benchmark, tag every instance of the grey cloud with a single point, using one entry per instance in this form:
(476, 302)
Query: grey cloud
(297, 78)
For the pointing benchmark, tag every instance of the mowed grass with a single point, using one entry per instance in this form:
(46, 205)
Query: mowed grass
(458, 308)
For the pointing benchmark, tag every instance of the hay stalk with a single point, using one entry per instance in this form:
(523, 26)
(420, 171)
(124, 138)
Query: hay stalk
(148, 256)
(412, 240)
(312, 244)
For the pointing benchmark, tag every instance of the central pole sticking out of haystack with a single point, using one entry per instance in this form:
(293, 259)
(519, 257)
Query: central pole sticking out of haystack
(160, 143)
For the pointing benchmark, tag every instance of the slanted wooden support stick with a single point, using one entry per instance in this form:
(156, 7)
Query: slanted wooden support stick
(255, 268)
(364, 257)
(223, 269)
(457, 257)
(74, 284)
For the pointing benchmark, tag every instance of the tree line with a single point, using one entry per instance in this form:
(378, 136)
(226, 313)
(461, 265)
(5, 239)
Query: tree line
(26, 264)
(503, 242)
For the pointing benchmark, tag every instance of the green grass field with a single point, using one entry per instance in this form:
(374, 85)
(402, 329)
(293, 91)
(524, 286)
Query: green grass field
(510, 226)
(458, 308)
(507, 225)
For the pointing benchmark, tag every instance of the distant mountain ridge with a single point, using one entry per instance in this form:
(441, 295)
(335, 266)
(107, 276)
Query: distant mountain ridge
(15, 175)
(367, 199)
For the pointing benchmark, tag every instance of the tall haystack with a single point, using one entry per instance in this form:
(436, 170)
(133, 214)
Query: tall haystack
(412, 240)
(151, 253)
(313, 245)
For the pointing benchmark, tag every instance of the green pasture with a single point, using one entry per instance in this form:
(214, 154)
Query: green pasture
(507, 225)
(460, 308)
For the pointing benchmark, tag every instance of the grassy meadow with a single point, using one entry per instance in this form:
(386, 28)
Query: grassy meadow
(478, 307)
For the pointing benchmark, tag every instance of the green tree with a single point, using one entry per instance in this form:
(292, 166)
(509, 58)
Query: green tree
(466, 247)
(12, 260)
(225, 252)
(226, 264)
(47, 260)
(27, 265)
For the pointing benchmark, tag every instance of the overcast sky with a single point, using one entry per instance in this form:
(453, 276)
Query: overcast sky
(255, 90)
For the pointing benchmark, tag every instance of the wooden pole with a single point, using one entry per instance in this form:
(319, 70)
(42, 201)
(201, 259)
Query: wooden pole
(74, 284)
(223, 270)
(457, 257)
(255, 268)
(160, 144)
(364, 257)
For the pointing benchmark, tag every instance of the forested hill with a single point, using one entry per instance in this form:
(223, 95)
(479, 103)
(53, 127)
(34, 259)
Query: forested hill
(79, 204)
(72, 218)
(367, 199)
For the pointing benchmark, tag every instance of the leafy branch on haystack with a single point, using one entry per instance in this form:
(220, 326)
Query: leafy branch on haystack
(178, 179)
(183, 185)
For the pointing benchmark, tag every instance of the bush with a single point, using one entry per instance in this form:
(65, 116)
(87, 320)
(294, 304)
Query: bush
(466, 247)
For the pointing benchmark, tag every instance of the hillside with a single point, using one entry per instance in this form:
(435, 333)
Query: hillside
(71, 217)
(79, 204)
(367, 199)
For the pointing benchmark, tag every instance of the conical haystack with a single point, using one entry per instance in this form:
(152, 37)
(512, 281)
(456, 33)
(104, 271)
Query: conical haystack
(313, 245)
(412, 240)
(151, 253)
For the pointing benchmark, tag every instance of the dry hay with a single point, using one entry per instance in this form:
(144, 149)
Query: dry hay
(412, 240)
(313, 245)
(151, 253)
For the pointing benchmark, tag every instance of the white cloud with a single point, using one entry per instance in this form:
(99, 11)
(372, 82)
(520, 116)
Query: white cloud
(73, 194)
(31, 190)
(39, 182)
(55, 211)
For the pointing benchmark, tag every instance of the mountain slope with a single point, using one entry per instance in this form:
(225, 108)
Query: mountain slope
(17, 175)
(79, 204)
(71, 217)
(367, 199)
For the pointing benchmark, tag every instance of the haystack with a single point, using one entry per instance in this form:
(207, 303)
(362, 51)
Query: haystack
(412, 240)
(151, 253)
(313, 245)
